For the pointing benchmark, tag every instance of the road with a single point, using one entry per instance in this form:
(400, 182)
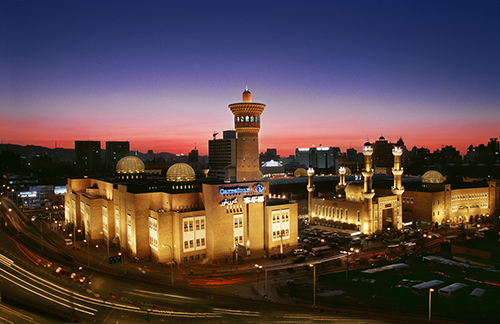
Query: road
(142, 294)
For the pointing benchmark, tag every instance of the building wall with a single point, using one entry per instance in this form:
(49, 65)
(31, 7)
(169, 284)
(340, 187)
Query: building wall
(153, 225)
(453, 206)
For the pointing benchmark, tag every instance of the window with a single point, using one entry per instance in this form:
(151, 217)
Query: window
(197, 242)
(197, 224)
(202, 241)
(186, 244)
(202, 224)
(191, 245)
(185, 226)
(190, 226)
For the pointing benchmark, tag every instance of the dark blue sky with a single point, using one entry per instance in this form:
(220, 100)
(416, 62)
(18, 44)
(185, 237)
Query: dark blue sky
(161, 73)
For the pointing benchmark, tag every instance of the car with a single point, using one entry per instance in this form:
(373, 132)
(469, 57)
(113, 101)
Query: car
(68, 241)
(299, 251)
(409, 283)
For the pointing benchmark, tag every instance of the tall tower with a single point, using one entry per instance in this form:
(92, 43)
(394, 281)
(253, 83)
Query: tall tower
(310, 191)
(398, 189)
(368, 193)
(247, 126)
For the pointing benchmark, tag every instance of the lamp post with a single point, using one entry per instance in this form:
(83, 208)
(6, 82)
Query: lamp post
(281, 245)
(88, 252)
(347, 261)
(171, 263)
(314, 284)
(259, 267)
(430, 302)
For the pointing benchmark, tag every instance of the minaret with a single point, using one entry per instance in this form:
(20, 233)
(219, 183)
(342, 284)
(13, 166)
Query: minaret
(247, 126)
(341, 185)
(310, 191)
(368, 193)
(398, 189)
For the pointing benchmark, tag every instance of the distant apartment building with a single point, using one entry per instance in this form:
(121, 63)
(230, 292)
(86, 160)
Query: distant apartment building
(222, 156)
(88, 157)
(382, 155)
(321, 157)
(114, 152)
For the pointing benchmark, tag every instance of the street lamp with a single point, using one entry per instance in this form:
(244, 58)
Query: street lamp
(314, 284)
(281, 245)
(265, 276)
(430, 302)
(107, 241)
(88, 252)
(258, 271)
(347, 261)
(171, 263)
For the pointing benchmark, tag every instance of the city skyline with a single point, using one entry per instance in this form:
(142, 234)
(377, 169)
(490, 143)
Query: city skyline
(161, 75)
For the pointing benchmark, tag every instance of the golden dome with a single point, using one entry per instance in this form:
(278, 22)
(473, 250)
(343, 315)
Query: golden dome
(180, 172)
(130, 165)
(354, 188)
(432, 177)
(300, 172)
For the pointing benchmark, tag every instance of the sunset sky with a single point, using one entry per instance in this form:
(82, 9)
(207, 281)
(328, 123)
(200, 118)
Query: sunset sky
(160, 74)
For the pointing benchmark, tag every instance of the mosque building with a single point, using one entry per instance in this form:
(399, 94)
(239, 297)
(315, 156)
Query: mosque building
(180, 218)
(355, 206)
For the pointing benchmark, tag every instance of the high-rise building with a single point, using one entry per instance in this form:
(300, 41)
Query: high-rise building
(88, 157)
(247, 126)
(115, 151)
(222, 156)
(321, 157)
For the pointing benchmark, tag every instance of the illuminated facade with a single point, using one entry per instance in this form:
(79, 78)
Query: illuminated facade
(356, 206)
(437, 203)
(247, 126)
(180, 218)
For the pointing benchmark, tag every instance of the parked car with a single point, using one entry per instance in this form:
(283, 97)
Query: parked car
(299, 251)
